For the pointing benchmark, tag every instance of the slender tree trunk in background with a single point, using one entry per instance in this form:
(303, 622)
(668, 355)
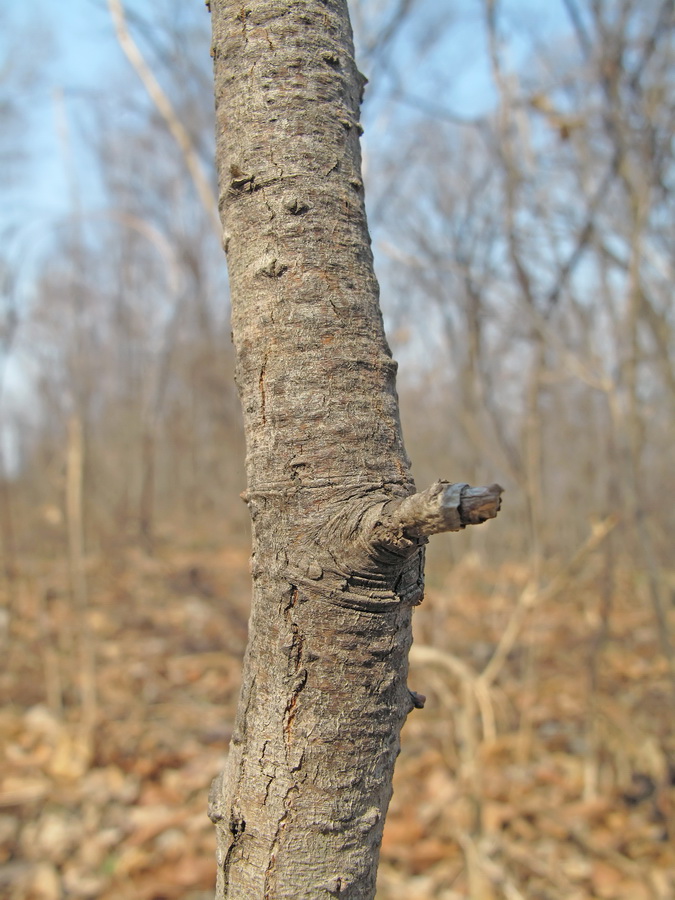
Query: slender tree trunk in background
(9, 562)
(75, 453)
(338, 532)
(8, 552)
(146, 503)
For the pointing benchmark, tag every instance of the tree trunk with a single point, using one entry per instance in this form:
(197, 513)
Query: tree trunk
(337, 548)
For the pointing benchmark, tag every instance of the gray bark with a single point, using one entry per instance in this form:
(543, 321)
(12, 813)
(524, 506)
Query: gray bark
(338, 532)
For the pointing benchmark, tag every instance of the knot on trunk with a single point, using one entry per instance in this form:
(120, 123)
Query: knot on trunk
(369, 555)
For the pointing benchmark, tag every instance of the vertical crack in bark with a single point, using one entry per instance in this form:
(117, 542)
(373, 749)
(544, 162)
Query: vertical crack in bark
(295, 655)
(242, 16)
(296, 670)
(291, 707)
(269, 886)
(261, 387)
(237, 827)
(246, 701)
(269, 776)
(236, 824)
(299, 676)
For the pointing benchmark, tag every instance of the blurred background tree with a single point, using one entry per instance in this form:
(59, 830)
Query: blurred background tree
(521, 216)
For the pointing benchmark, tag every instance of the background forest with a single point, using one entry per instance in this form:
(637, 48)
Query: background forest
(520, 181)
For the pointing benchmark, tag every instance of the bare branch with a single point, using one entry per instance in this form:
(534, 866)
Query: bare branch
(442, 507)
(579, 27)
(168, 113)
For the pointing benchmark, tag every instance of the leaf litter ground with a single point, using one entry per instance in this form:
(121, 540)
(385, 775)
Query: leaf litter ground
(553, 779)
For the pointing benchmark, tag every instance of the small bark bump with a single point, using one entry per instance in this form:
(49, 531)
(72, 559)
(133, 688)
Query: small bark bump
(348, 124)
(331, 58)
(272, 269)
(216, 811)
(418, 700)
(314, 571)
(363, 81)
(297, 207)
(240, 181)
(335, 886)
(237, 825)
(369, 819)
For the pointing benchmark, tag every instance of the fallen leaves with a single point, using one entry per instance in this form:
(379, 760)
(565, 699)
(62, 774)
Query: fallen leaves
(524, 785)
(119, 809)
(562, 792)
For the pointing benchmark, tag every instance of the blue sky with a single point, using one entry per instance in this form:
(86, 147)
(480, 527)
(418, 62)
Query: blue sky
(56, 59)
(76, 53)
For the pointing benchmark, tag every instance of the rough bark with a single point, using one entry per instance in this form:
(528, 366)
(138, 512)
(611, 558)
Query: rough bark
(338, 536)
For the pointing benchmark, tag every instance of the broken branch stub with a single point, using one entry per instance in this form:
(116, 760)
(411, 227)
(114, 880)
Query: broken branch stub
(442, 507)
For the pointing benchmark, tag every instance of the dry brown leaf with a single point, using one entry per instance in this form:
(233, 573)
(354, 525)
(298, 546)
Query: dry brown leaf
(606, 879)
(18, 791)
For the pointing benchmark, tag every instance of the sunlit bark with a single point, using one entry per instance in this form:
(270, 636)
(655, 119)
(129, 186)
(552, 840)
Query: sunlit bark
(338, 532)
